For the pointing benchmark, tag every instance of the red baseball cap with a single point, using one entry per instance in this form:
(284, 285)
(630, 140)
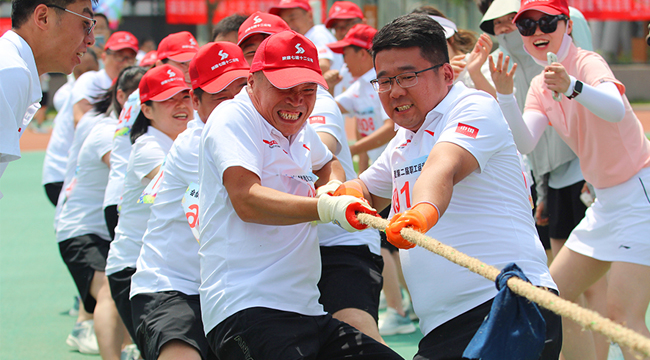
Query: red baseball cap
(342, 10)
(288, 59)
(290, 4)
(161, 83)
(359, 35)
(180, 46)
(217, 65)
(551, 7)
(121, 40)
(149, 58)
(261, 23)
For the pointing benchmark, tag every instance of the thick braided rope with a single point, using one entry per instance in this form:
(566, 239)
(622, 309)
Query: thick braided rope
(586, 318)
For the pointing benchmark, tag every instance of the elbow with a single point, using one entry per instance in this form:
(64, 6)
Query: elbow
(525, 149)
(246, 212)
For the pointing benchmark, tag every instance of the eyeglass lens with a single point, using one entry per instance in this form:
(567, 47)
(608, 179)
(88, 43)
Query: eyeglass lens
(547, 24)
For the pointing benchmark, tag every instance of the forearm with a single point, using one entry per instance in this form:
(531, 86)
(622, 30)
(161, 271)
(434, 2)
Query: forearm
(604, 100)
(378, 138)
(525, 135)
(333, 170)
(481, 83)
(263, 205)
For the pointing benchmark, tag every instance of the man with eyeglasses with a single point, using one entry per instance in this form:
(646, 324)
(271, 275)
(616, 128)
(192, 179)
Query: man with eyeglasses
(45, 37)
(452, 172)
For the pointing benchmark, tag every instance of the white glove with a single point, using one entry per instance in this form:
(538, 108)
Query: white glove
(328, 188)
(342, 211)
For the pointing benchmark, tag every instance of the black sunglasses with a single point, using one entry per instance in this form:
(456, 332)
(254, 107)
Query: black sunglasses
(547, 24)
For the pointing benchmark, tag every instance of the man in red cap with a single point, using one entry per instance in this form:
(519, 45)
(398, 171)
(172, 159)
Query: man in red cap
(300, 18)
(259, 166)
(255, 29)
(218, 73)
(177, 50)
(342, 17)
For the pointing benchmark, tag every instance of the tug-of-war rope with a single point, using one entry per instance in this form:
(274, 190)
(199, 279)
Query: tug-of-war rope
(586, 318)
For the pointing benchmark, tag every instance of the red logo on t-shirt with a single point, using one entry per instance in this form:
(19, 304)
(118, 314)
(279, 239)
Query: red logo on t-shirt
(271, 143)
(467, 130)
(317, 120)
(429, 132)
(305, 146)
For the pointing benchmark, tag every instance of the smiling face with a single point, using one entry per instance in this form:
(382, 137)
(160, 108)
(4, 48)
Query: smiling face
(170, 116)
(504, 25)
(540, 43)
(408, 107)
(207, 102)
(68, 37)
(285, 109)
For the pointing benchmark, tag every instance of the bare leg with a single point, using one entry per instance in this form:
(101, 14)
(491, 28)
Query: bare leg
(176, 349)
(574, 274)
(83, 314)
(109, 327)
(360, 320)
(391, 282)
(628, 296)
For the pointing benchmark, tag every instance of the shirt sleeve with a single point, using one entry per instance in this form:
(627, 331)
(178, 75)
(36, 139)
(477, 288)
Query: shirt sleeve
(105, 139)
(477, 125)
(147, 155)
(326, 117)
(594, 70)
(320, 154)
(346, 98)
(13, 104)
(378, 177)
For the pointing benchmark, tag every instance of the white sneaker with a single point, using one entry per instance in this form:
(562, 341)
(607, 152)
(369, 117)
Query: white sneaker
(615, 352)
(382, 301)
(130, 352)
(83, 339)
(393, 323)
(74, 310)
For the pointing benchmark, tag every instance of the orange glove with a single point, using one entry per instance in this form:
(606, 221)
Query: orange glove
(352, 188)
(421, 217)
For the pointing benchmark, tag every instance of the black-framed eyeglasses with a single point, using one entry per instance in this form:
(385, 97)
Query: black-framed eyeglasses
(90, 25)
(404, 80)
(547, 24)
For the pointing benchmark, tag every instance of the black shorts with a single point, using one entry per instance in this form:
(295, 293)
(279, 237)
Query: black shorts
(449, 340)
(350, 278)
(384, 241)
(111, 216)
(262, 333)
(84, 255)
(565, 210)
(120, 284)
(169, 315)
(52, 190)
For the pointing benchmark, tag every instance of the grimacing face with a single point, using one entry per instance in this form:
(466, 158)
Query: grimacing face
(285, 109)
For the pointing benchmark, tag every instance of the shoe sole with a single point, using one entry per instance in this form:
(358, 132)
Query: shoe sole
(74, 343)
(402, 330)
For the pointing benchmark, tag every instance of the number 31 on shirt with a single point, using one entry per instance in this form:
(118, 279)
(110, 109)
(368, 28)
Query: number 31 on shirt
(404, 176)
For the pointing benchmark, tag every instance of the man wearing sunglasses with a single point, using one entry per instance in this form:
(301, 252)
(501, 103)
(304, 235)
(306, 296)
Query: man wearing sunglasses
(452, 172)
(43, 39)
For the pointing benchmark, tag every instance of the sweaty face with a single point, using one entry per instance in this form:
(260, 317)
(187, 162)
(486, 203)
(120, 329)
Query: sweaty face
(540, 43)
(285, 109)
(408, 107)
(207, 102)
(170, 116)
(69, 37)
(250, 45)
(504, 25)
(298, 19)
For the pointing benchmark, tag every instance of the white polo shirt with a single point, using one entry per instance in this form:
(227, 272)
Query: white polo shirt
(321, 36)
(169, 259)
(20, 93)
(121, 149)
(489, 214)
(362, 101)
(326, 117)
(62, 94)
(148, 153)
(245, 264)
(82, 212)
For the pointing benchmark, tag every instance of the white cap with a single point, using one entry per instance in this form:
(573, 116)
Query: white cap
(496, 10)
(448, 25)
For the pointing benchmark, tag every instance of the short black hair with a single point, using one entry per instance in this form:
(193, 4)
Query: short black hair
(483, 5)
(413, 30)
(22, 9)
(228, 24)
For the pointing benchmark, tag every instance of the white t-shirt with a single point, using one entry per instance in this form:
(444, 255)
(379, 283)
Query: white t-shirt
(489, 214)
(82, 212)
(147, 153)
(326, 117)
(62, 94)
(169, 259)
(121, 150)
(90, 86)
(346, 80)
(20, 93)
(321, 36)
(362, 101)
(245, 264)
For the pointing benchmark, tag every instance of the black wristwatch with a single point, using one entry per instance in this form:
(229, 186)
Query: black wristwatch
(577, 89)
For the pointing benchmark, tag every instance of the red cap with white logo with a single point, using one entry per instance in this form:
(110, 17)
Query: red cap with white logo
(121, 40)
(288, 59)
(161, 83)
(343, 10)
(290, 4)
(180, 47)
(551, 7)
(360, 35)
(216, 66)
(260, 23)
